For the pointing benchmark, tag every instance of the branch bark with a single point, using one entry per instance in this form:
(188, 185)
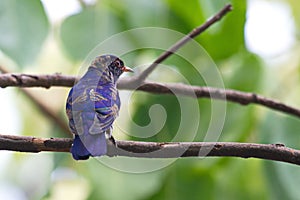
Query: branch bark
(31, 80)
(243, 98)
(275, 152)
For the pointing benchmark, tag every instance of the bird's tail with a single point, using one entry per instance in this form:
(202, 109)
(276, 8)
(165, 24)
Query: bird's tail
(88, 145)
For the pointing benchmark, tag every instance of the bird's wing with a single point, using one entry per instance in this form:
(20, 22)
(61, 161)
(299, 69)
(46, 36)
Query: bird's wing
(78, 108)
(92, 109)
(107, 106)
(69, 112)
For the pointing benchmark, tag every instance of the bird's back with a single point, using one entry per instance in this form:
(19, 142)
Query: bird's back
(92, 106)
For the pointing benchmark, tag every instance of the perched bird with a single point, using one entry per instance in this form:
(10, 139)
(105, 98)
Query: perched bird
(93, 105)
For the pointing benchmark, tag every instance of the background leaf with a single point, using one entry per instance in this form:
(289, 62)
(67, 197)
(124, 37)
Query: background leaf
(283, 178)
(80, 33)
(23, 28)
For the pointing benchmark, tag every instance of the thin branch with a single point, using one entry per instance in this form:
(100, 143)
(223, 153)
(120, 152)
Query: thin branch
(276, 152)
(30, 80)
(195, 32)
(33, 144)
(243, 98)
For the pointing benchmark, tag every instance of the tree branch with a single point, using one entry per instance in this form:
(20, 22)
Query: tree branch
(137, 80)
(276, 152)
(30, 80)
(243, 98)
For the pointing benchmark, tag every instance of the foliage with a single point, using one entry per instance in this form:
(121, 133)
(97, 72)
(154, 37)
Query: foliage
(23, 28)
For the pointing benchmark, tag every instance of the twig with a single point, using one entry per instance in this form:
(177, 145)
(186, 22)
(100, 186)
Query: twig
(137, 80)
(276, 152)
(244, 98)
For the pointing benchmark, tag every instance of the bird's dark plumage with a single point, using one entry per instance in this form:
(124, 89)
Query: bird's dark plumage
(93, 105)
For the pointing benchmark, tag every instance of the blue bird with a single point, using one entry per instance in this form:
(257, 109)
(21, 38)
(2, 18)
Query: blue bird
(93, 105)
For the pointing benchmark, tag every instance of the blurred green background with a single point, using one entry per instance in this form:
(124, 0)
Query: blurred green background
(256, 48)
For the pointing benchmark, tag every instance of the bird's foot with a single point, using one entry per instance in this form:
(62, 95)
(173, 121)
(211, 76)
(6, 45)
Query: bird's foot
(112, 139)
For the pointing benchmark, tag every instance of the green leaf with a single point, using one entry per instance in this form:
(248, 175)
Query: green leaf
(108, 183)
(239, 180)
(186, 181)
(243, 72)
(142, 13)
(295, 7)
(23, 28)
(283, 178)
(82, 32)
(247, 72)
(187, 12)
(226, 37)
(142, 118)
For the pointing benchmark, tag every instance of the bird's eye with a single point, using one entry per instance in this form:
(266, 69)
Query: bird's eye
(118, 63)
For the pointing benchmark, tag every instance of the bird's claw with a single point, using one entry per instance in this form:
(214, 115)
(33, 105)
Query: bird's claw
(112, 139)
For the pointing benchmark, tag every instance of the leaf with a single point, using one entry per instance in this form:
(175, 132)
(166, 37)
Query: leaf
(247, 73)
(23, 28)
(186, 181)
(240, 179)
(146, 13)
(81, 32)
(185, 14)
(295, 7)
(283, 178)
(108, 183)
(227, 36)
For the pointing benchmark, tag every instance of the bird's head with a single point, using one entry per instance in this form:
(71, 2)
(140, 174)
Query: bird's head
(112, 63)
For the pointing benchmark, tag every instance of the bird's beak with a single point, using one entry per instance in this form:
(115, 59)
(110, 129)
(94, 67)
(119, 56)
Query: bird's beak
(127, 69)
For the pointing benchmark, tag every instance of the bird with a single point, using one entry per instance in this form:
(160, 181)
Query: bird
(92, 106)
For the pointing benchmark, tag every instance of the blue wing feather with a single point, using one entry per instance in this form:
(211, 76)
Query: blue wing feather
(92, 107)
